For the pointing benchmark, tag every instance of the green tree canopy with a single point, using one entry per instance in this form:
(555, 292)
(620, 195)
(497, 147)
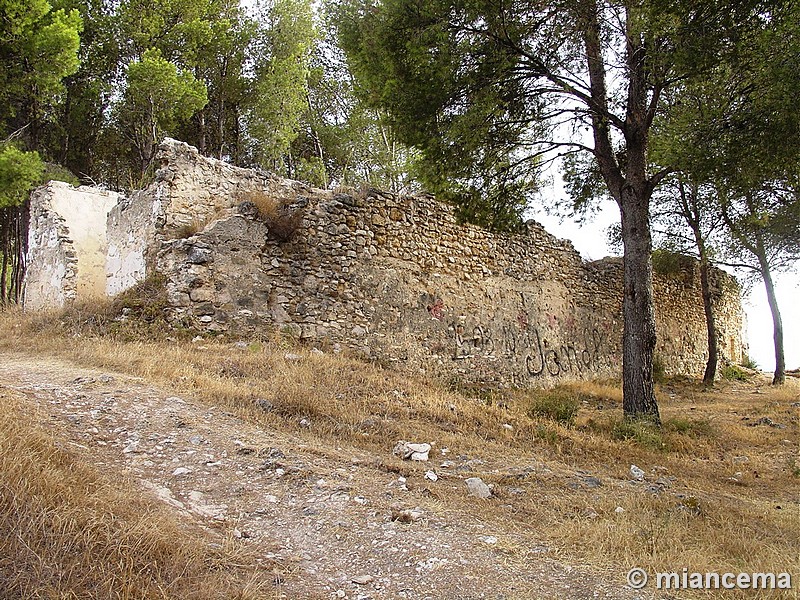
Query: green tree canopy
(733, 136)
(157, 97)
(222, 63)
(451, 88)
(341, 140)
(19, 173)
(39, 48)
(73, 137)
(282, 55)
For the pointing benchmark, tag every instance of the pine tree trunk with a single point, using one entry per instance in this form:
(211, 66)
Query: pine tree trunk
(779, 377)
(639, 332)
(708, 307)
(5, 249)
(201, 142)
(13, 246)
(21, 223)
(625, 174)
(221, 128)
(753, 242)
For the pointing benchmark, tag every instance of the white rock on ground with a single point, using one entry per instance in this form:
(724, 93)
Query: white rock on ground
(478, 488)
(412, 451)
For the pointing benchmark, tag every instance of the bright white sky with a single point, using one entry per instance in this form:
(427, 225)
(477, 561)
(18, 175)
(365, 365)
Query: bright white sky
(590, 241)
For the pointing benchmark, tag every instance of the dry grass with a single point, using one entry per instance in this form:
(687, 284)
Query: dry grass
(66, 531)
(192, 228)
(281, 218)
(721, 490)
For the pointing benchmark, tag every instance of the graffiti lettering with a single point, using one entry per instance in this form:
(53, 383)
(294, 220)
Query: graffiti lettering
(539, 353)
(479, 342)
(482, 341)
(534, 361)
(437, 309)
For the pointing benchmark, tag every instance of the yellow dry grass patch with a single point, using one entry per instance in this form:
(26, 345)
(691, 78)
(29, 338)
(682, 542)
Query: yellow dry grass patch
(721, 490)
(280, 218)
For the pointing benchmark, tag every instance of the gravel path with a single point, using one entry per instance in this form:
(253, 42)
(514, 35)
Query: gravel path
(324, 515)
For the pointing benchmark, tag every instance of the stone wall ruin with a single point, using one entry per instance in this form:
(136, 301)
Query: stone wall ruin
(67, 244)
(392, 277)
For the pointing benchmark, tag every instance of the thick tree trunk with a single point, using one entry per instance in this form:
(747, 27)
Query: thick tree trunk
(625, 175)
(639, 332)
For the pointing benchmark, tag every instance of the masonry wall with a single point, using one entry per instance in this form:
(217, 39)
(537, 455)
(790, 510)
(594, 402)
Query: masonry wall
(394, 278)
(189, 192)
(398, 279)
(66, 257)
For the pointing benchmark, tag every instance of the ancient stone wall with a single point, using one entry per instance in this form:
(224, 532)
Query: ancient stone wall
(682, 343)
(66, 257)
(189, 192)
(397, 278)
(392, 277)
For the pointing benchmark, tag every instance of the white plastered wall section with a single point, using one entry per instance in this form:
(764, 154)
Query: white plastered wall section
(67, 245)
(131, 230)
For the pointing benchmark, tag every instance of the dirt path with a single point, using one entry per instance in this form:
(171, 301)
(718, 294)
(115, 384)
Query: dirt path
(323, 515)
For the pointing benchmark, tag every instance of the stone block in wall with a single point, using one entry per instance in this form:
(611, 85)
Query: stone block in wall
(219, 272)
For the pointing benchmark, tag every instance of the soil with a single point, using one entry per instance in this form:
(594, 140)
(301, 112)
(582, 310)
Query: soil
(321, 518)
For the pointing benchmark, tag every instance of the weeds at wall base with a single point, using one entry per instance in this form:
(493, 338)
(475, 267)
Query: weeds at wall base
(734, 373)
(642, 433)
(659, 370)
(559, 404)
(137, 314)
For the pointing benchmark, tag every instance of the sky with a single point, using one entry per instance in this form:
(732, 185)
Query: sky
(590, 240)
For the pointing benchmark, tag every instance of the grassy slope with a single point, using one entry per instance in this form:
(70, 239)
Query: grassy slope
(732, 500)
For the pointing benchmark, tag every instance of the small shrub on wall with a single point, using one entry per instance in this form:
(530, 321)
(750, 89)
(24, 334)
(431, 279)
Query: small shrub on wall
(669, 263)
(282, 219)
(189, 229)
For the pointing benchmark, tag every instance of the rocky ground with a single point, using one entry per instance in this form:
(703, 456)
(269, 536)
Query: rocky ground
(329, 522)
